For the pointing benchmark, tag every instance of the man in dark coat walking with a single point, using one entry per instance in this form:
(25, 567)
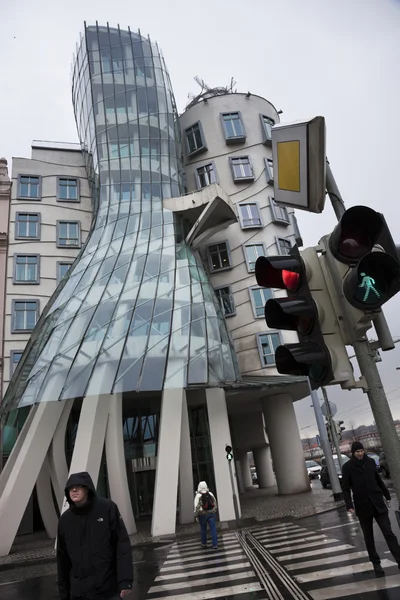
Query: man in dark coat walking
(94, 557)
(361, 477)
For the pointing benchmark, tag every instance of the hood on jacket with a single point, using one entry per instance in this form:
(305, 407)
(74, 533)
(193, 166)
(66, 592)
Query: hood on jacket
(82, 478)
(202, 488)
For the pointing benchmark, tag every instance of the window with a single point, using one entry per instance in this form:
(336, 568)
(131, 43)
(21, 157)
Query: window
(233, 128)
(284, 245)
(279, 212)
(26, 268)
(29, 187)
(297, 234)
(195, 139)
(68, 234)
(206, 175)
(269, 169)
(27, 225)
(121, 150)
(225, 298)
(259, 297)
(15, 357)
(241, 168)
(267, 345)
(25, 314)
(267, 124)
(219, 256)
(252, 252)
(249, 215)
(62, 269)
(68, 189)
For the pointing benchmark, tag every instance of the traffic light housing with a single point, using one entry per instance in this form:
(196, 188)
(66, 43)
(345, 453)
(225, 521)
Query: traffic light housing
(229, 453)
(362, 268)
(328, 431)
(320, 353)
(339, 428)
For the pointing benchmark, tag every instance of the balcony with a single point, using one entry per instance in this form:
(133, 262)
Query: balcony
(207, 210)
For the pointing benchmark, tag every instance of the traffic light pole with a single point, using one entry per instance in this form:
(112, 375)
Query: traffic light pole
(333, 427)
(368, 368)
(234, 497)
(326, 447)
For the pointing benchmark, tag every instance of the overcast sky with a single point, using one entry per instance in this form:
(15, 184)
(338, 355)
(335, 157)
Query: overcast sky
(336, 58)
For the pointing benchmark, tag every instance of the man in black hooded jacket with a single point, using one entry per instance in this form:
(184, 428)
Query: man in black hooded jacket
(94, 558)
(361, 476)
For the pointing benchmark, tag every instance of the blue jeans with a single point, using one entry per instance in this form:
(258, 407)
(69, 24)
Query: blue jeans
(210, 519)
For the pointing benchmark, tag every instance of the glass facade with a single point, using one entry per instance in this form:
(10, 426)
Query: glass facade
(136, 311)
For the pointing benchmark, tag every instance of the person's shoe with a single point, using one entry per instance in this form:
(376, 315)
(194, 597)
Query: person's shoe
(379, 572)
(215, 547)
(204, 545)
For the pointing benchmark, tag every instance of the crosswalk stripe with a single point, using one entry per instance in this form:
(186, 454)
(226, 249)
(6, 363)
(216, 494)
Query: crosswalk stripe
(185, 574)
(353, 524)
(290, 535)
(165, 587)
(355, 588)
(341, 571)
(220, 561)
(322, 542)
(217, 593)
(275, 530)
(290, 542)
(198, 549)
(224, 538)
(206, 553)
(308, 564)
(286, 557)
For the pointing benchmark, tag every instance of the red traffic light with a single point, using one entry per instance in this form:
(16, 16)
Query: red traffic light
(280, 272)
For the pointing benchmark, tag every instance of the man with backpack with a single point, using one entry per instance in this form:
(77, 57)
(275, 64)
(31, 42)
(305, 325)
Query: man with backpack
(205, 507)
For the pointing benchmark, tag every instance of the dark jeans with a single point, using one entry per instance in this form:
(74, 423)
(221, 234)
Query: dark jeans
(210, 519)
(367, 527)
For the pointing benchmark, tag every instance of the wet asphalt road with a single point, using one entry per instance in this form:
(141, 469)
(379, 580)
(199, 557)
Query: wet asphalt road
(39, 582)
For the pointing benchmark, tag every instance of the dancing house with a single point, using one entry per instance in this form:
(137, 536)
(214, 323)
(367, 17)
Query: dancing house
(151, 353)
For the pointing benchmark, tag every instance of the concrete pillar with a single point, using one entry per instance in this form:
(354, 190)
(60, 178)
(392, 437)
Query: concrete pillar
(240, 483)
(284, 438)
(116, 463)
(169, 444)
(25, 471)
(56, 455)
(186, 495)
(220, 436)
(263, 464)
(89, 443)
(45, 500)
(246, 472)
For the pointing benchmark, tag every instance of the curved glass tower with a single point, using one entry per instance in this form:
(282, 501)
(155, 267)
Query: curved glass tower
(136, 312)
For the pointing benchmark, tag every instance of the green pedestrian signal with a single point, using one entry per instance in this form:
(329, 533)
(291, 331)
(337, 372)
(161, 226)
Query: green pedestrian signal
(362, 240)
(229, 453)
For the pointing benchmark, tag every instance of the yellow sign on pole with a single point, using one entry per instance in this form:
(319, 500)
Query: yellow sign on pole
(299, 158)
(289, 165)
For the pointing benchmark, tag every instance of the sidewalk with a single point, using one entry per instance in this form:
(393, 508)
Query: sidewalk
(257, 505)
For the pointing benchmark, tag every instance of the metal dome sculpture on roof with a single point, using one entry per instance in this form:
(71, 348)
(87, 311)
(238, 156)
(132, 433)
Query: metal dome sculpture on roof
(209, 92)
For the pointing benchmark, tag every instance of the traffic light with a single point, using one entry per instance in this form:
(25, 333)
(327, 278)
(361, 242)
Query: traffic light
(229, 453)
(339, 428)
(328, 431)
(363, 267)
(320, 353)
